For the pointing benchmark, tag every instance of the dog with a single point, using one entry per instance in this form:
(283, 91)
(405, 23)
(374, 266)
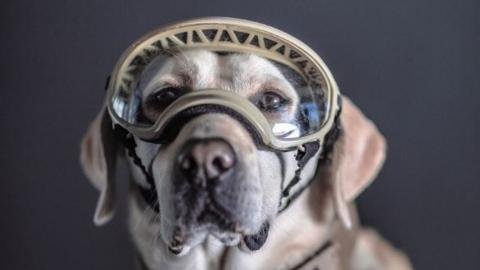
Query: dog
(212, 221)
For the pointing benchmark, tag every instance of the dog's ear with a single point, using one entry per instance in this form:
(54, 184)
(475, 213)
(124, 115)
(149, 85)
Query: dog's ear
(98, 156)
(357, 157)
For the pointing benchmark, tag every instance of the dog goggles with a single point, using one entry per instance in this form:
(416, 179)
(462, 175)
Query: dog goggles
(287, 95)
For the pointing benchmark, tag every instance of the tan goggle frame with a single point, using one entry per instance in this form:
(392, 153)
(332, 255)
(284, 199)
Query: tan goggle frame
(225, 34)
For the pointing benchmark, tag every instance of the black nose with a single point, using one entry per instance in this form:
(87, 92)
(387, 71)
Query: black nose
(206, 159)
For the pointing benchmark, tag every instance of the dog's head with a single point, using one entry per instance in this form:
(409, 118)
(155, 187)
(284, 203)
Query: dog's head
(213, 178)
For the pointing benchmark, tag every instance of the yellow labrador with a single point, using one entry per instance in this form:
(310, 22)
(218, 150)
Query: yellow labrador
(204, 224)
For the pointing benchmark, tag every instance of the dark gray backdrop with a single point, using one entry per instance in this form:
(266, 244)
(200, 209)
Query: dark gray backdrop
(412, 66)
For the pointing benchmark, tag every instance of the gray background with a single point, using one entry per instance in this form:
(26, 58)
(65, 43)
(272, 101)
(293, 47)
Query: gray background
(412, 66)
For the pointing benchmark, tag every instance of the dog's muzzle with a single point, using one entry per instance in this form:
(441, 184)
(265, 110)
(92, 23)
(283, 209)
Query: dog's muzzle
(207, 180)
(203, 173)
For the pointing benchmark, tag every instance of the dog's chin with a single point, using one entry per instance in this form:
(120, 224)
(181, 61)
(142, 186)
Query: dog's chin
(247, 239)
(228, 238)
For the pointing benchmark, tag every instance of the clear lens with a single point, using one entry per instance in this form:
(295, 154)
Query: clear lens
(293, 106)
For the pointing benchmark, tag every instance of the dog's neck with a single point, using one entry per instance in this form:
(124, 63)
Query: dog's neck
(295, 236)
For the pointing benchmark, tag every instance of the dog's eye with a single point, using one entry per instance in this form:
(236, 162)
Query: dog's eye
(160, 99)
(270, 101)
(166, 95)
(156, 102)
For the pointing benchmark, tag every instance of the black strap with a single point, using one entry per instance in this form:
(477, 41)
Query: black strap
(150, 194)
(317, 253)
(304, 154)
(302, 157)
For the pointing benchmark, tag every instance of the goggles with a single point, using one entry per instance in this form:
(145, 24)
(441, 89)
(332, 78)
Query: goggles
(288, 96)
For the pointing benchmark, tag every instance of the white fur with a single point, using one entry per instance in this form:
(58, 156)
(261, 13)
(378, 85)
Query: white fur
(297, 232)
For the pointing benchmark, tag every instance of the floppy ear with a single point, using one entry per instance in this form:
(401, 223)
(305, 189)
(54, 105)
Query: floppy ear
(98, 156)
(357, 157)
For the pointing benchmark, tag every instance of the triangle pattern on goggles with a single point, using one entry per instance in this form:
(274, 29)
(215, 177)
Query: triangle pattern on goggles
(226, 35)
(220, 34)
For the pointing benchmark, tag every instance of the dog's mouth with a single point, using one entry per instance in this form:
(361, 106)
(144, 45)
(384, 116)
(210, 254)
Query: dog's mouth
(215, 214)
(213, 219)
(180, 244)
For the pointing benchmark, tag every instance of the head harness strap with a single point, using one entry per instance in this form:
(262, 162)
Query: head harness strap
(150, 194)
(304, 154)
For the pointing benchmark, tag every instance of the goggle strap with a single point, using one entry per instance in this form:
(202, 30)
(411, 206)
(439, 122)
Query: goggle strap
(107, 83)
(149, 194)
(304, 155)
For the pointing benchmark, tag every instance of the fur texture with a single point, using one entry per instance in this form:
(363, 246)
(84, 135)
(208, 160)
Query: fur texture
(324, 212)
